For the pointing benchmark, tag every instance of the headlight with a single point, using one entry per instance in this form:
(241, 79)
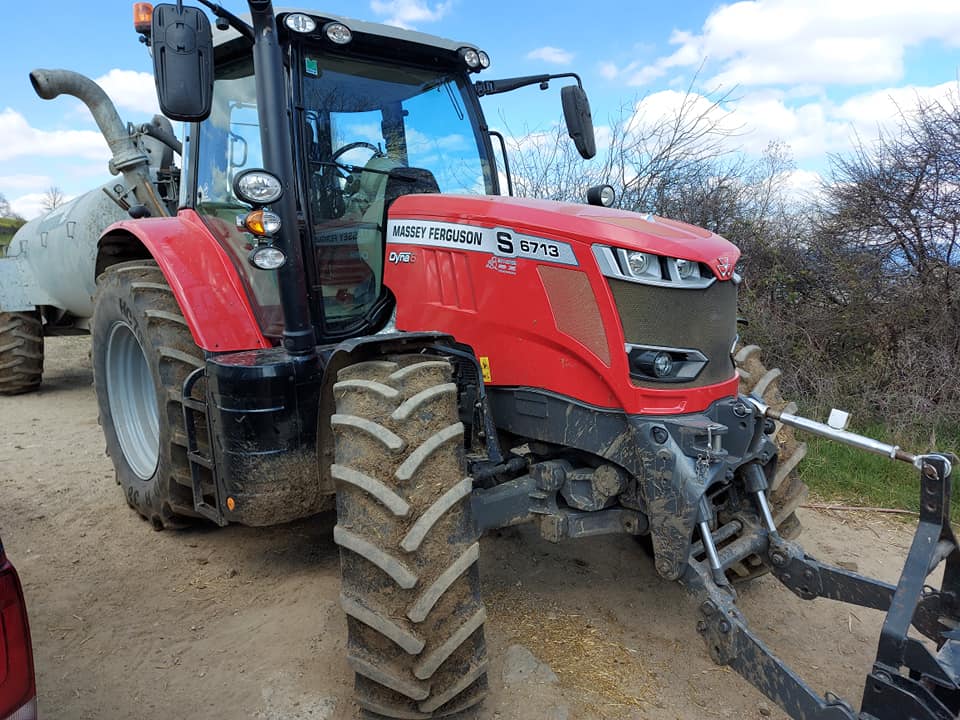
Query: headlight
(257, 187)
(647, 268)
(638, 262)
(664, 364)
(653, 363)
(687, 269)
(267, 257)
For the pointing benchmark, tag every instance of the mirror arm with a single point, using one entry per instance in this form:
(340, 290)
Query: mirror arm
(235, 22)
(494, 87)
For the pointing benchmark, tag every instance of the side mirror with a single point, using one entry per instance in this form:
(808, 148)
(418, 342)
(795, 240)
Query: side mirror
(182, 62)
(576, 112)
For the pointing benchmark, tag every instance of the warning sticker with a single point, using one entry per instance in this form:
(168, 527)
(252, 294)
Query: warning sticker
(485, 368)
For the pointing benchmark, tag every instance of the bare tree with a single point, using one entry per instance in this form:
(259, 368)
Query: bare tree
(53, 198)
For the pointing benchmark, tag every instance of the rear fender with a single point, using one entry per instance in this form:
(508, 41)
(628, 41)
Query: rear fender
(205, 283)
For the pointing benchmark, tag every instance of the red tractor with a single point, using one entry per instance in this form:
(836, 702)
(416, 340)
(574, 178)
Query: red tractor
(340, 304)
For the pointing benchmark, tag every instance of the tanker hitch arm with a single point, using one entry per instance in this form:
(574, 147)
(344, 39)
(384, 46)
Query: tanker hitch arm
(908, 679)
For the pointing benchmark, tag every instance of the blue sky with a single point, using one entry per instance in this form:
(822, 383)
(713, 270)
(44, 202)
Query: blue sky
(810, 73)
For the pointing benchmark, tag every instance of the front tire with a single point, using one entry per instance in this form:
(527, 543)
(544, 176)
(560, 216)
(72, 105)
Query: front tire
(142, 351)
(408, 546)
(787, 492)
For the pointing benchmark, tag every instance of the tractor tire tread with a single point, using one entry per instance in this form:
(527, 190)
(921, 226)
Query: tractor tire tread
(408, 547)
(21, 352)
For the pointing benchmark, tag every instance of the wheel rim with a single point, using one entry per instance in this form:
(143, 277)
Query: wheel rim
(133, 401)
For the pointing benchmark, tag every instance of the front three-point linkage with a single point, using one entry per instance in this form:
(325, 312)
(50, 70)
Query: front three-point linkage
(908, 679)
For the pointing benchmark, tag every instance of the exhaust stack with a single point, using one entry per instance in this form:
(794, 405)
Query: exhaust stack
(126, 158)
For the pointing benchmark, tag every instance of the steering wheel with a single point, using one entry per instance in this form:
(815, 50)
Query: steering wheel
(377, 152)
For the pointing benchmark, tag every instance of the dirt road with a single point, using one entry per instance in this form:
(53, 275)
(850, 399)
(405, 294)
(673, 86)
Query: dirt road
(244, 623)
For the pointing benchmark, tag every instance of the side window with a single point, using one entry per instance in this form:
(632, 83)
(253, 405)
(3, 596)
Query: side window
(440, 138)
(229, 143)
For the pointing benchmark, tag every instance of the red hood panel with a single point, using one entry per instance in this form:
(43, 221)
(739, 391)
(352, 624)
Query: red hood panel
(584, 223)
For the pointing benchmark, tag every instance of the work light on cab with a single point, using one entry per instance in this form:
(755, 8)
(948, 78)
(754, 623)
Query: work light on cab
(301, 23)
(471, 57)
(601, 195)
(257, 187)
(267, 257)
(337, 33)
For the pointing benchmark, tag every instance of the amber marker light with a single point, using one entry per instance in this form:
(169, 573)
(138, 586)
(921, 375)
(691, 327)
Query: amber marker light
(142, 17)
(262, 223)
(231, 504)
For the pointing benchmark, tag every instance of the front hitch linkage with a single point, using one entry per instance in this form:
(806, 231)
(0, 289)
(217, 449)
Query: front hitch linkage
(907, 680)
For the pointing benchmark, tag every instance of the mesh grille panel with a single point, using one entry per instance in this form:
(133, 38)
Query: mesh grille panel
(704, 320)
(574, 308)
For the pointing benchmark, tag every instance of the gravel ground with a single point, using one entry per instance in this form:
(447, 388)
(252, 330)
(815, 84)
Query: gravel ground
(244, 622)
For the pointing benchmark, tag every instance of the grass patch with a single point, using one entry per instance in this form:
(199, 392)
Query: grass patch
(842, 474)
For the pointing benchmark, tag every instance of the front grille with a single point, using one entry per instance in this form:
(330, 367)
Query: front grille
(704, 320)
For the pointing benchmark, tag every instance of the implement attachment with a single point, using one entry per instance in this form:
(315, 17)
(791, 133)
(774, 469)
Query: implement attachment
(909, 679)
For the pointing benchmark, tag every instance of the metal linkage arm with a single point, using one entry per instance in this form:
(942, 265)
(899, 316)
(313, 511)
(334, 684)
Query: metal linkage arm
(732, 643)
(908, 680)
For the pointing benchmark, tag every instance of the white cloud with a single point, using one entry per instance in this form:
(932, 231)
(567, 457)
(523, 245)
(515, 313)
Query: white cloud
(812, 129)
(20, 182)
(404, 13)
(803, 183)
(549, 54)
(766, 42)
(22, 140)
(131, 90)
(30, 206)
(608, 70)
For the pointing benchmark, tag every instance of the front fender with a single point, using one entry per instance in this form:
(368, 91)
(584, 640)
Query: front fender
(204, 281)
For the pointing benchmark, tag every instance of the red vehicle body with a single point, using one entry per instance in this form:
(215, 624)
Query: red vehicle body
(540, 321)
(18, 691)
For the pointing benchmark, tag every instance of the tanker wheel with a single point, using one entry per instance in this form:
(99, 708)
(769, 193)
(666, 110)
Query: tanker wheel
(21, 352)
(786, 492)
(408, 547)
(142, 351)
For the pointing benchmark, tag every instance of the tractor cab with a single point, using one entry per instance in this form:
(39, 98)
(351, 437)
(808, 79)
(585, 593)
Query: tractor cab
(377, 112)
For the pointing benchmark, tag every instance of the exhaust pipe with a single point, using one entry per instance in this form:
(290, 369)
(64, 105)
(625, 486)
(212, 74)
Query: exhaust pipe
(126, 157)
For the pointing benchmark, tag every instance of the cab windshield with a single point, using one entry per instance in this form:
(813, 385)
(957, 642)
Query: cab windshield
(356, 121)
(371, 131)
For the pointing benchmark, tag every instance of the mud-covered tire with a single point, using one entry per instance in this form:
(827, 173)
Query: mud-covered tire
(133, 300)
(21, 352)
(408, 546)
(786, 492)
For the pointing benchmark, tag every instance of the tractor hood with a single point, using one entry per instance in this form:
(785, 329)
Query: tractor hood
(577, 223)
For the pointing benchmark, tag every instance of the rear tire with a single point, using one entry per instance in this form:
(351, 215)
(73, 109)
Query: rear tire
(408, 546)
(787, 492)
(21, 352)
(142, 351)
